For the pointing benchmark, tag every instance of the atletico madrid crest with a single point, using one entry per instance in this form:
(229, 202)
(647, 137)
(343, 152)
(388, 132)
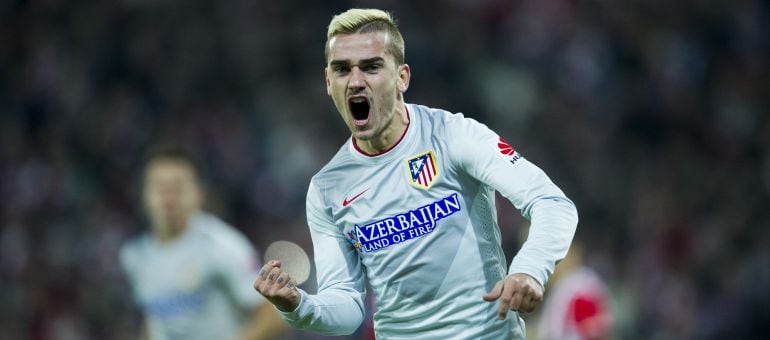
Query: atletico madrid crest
(423, 169)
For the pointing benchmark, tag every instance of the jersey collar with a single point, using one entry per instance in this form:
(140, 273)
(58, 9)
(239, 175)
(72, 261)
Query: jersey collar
(391, 151)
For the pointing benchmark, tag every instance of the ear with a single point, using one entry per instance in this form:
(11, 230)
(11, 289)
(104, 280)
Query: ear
(328, 83)
(404, 74)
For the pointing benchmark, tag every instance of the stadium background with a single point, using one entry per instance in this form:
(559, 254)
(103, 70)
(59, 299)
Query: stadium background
(652, 115)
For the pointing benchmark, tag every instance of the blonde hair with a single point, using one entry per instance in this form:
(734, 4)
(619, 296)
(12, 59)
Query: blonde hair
(358, 20)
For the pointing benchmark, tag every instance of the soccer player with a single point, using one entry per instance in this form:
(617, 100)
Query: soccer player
(578, 304)
(407, 203)
(192, 272)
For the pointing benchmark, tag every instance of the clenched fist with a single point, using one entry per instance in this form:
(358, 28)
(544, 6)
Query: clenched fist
(277, 287)
(518, 292)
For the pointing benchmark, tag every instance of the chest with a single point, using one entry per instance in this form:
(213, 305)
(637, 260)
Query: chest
(405, 199)
(168, 275)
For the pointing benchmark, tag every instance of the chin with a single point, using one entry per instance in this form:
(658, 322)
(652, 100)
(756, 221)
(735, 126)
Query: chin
(174, 220)
(363, 134)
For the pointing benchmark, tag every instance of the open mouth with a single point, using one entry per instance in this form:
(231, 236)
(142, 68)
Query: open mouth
(359, 108)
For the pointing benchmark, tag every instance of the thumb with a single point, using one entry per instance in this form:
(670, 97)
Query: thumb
(495, 293)
(275, 263)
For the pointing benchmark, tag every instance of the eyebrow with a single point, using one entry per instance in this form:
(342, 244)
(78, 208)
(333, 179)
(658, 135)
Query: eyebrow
(368, 61)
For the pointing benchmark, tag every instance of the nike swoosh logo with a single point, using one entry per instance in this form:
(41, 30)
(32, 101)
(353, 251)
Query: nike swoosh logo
(346, 201)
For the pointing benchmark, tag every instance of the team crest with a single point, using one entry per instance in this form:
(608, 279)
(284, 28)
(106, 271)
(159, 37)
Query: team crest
(423, 169)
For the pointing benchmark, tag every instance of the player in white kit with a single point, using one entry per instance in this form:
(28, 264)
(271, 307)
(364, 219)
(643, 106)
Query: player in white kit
(408, 204)
(192, 272)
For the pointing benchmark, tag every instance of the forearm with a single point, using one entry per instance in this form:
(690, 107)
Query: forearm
(338, 308)
(490, 159)
(553, 224)
(334, 311)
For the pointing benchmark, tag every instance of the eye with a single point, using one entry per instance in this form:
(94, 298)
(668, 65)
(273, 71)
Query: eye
(371, 68)
(340, 69)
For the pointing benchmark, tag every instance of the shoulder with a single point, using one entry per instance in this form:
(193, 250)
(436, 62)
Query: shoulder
(333, 174)
(580, 281)
(442, 122)
(133, 250)
(460, 134)
(432, 117)
(336, 167)
(219, 235)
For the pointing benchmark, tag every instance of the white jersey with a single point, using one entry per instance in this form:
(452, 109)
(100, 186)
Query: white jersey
(196, 286)
(419, 223)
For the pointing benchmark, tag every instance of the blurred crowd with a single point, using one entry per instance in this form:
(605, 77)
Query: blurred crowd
(651, 115)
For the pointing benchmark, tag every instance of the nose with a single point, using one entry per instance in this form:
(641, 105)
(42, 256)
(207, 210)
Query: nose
(357, 80)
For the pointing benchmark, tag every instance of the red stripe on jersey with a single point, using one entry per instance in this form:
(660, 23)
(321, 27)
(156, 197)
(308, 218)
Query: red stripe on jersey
(429, 169)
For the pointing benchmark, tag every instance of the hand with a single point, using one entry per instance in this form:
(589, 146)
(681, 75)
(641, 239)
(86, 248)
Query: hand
(277, 287)
(518, 292)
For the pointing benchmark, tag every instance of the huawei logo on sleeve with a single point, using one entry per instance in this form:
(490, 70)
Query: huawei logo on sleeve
(507, 151)
(505, 148)
(347, 201)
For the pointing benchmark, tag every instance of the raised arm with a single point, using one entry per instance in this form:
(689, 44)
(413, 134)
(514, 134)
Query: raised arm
(488, 158)
(337, 308)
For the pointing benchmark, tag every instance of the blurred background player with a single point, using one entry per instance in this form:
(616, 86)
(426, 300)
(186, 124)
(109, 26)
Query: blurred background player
(578, 304)
(192, 272)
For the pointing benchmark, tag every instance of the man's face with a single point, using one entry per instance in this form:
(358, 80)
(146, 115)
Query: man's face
(171, 194)
(364, 82)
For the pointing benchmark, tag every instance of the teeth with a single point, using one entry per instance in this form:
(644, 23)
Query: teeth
(358, 100)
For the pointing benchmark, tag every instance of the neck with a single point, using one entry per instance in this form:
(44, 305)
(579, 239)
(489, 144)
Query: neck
(167, 231)
(390, 135)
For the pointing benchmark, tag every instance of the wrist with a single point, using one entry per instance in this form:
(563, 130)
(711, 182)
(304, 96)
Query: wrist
(289, 304)
(286, 306)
